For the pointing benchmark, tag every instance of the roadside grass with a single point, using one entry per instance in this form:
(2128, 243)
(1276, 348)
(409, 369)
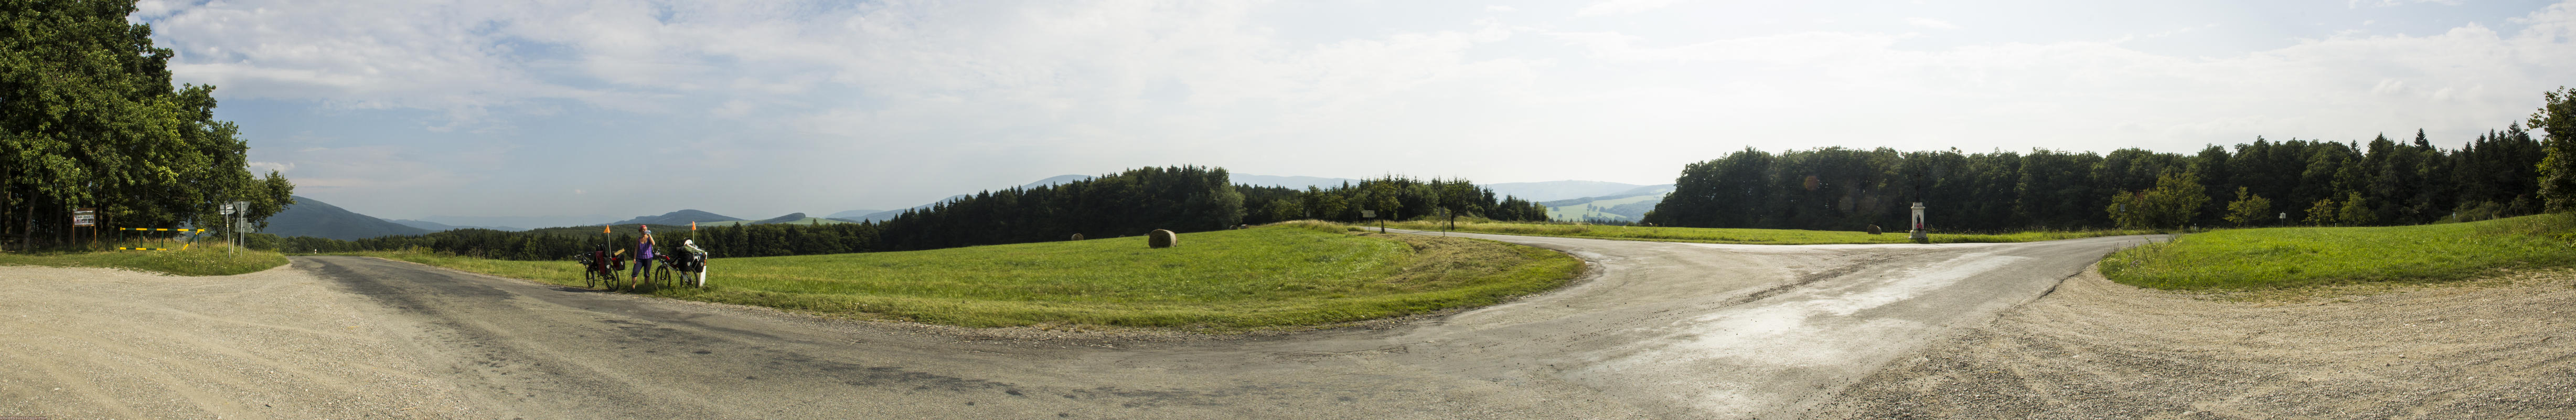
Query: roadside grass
(201, 260)
(2269, 258)
(1274, 277)
(1736, 236)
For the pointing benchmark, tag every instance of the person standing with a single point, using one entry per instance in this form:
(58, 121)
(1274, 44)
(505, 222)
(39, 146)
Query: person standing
(643, 258)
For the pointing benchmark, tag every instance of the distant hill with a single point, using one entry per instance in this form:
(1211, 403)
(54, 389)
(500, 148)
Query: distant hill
(790, 217)
(853, 214)
(1053, 180)
(518, 222)
(1295, 182)
(442, 227)
(1560, 190)
(677, 218)
(310, 217)
(1629, 205)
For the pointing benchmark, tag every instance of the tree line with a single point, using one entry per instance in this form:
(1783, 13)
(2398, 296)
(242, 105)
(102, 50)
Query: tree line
(1391, 197)
(89, 119)
(2380, 182)
(1129, 203)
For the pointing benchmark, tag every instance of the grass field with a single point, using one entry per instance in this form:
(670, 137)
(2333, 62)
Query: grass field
(1268, 277)
(210, 260)
(1737, 236)
(2296, 257)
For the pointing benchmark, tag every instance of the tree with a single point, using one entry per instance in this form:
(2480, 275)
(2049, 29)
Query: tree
(2248, 209)
(1459, 197)
(2176, 199)
(2557, 116)
(89, 118)
(2322, 213)
(2356, 211)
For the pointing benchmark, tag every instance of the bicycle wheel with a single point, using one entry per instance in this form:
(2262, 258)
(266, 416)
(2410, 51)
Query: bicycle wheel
(590, 277)
(662, 277)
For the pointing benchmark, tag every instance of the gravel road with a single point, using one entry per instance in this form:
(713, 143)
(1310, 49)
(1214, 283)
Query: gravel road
(1653, 330)
(2491, 349)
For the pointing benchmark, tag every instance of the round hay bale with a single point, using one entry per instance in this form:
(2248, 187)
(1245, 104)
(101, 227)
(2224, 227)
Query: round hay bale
(1077, 236)
(1162, 239)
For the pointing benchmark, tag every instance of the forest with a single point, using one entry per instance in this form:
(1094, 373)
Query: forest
(89, 119)
(1130, 203)
(2296, 182)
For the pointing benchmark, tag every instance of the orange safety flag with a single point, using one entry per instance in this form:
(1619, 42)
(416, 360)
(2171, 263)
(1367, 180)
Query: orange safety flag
(603, 228)
(693, 226)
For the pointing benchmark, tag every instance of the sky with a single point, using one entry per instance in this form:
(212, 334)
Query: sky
(753, 109)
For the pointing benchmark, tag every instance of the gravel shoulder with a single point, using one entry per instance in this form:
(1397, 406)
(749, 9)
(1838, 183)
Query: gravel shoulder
(2492, 348)
(83, 343)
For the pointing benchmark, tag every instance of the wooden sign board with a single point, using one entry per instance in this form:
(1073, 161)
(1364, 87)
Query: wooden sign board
(1371, 214)
(85, 217)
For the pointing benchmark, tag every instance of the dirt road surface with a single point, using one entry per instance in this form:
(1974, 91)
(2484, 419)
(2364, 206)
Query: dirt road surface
(1654, 330)
(2495, 348)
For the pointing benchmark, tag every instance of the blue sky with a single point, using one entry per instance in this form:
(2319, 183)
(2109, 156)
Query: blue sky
(754, 109)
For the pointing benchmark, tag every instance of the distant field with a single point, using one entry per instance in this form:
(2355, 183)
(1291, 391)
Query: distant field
(205, 260)
(2296, 257)
(1740, 236)
(1279, 276)
(1579, 212)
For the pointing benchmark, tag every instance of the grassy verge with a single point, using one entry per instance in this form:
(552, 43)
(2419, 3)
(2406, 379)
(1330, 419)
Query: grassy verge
(212, 260)
(1737, 236)
(2298, 257)
(1268, 277)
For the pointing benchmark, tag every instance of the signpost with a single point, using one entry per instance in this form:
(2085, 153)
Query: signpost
(85, 217)
(238, 213)
(1372, 214)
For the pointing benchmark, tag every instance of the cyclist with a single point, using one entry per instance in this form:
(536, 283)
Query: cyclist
(643, 258)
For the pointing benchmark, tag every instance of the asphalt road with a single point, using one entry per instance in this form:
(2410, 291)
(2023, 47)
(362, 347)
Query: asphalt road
(1654, 330)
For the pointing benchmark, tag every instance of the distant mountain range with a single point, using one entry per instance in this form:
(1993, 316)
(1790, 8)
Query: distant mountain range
(1628, 205)
(1561, 190)
(442, 227)
(681, 218)
(310, 217)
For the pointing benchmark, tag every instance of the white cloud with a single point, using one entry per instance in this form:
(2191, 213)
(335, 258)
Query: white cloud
(1930, 23)
(1621, 7)
(2356, 4)
(1501, 8)
(984, 94)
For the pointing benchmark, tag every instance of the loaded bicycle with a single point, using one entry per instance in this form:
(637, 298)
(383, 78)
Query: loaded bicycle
(690, 266)
(599, 266)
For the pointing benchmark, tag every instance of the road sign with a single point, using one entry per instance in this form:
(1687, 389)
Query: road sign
(227, 208)
(85, 217)
(1371, 214)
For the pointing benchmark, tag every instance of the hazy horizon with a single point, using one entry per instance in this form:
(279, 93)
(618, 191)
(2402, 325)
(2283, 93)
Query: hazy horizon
(755, 109)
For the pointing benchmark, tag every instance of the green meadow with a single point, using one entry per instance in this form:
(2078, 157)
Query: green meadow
(1279, 276)
(2316, 256)
(1736, 236)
